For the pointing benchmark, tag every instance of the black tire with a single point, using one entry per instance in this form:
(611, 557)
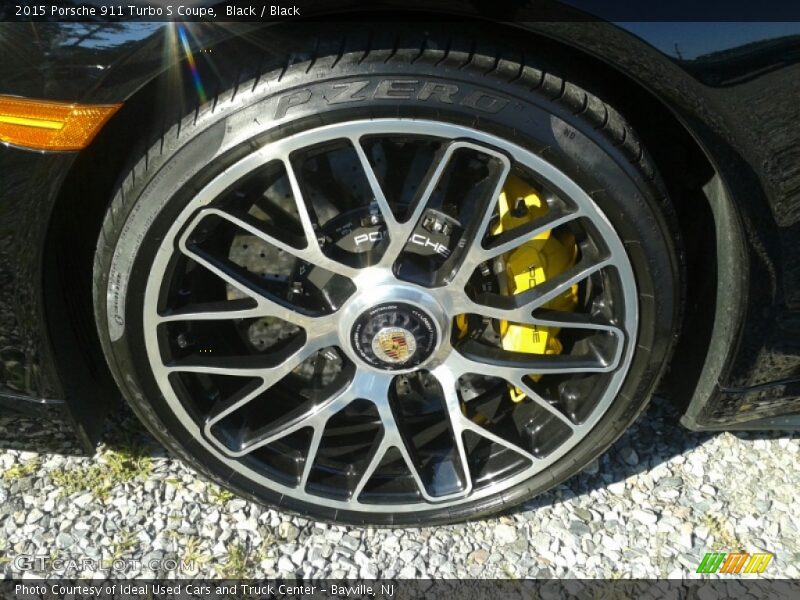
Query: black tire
(444, 79)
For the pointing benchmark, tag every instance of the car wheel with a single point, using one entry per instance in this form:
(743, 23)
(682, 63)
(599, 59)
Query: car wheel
(391, 286)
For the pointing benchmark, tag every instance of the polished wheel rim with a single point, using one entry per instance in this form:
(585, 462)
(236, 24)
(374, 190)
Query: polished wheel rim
(331, 317)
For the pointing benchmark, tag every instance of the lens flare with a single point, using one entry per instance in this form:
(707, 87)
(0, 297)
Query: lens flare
(198, 84)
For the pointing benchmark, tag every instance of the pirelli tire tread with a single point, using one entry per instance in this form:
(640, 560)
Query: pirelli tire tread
(396, 71)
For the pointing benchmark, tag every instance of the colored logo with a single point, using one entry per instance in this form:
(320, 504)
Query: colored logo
(734, 563)
(394, 344)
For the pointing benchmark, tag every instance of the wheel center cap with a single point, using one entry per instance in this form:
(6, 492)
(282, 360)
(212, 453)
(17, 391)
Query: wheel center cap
(394, 336)
(394, 345)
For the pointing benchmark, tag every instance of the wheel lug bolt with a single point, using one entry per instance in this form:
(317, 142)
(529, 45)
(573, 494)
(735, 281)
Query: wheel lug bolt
(183, 340)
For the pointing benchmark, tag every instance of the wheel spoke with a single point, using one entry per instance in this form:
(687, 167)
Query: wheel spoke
(509, 240)
(519, 308)
(573, 320)
(313, 449)
(483, 432)
(402, 231)
(265, 307)
(516, 373)
(490, 202)
(312, 253)
(450, 371)
(558, 285)
(473, 357)
(241, 308)
(456, 418)
(316, 417)
(269, 376)
(584, 322)
(432, 181)
(476, 228)
(369, 471)
(375, 187)
(250, 365)
(393, 438)
(234, 366)
(521, 383)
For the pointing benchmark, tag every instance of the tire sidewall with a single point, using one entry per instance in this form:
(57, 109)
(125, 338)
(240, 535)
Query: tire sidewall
(159, 190)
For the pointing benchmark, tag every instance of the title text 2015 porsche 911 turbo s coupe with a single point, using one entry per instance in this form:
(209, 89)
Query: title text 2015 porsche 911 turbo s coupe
(399, 272)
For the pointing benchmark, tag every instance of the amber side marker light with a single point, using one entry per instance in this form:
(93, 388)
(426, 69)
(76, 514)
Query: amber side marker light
(46, 125)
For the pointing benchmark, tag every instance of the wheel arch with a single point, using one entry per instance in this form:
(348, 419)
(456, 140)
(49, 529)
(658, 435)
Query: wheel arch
(84, 198)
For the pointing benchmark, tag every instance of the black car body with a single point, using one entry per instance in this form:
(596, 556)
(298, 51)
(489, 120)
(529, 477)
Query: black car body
(724, 93)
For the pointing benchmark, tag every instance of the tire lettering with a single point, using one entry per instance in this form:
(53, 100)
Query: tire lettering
(443, 92)
(398, 89)
(290, 101)
(348, 92)
(484, 102)
(389, 89)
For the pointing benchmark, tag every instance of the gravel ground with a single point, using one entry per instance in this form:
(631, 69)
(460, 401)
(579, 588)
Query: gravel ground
(651, 507)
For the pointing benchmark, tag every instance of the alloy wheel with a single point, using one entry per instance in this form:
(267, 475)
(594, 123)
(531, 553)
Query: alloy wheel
(390, 315)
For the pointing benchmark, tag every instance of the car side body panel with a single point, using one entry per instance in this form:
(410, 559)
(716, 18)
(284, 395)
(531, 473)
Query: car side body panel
(735, 92)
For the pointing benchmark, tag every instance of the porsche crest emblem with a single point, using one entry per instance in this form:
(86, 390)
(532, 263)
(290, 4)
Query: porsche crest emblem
(394, 344)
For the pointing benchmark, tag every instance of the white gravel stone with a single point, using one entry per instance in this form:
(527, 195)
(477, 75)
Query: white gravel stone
(288, 531)
(408, 573)
(750, 522)
(34, 515)
(83, 500)
(350, 542)
(610, 543)
(644, 516)
(617, 488)
(610, 521)
(505, 534)
(236, 505)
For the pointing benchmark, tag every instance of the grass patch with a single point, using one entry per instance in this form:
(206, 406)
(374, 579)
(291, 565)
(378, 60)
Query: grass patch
(723, 538)
(509, 571)
(125, 542)
(237, 565)
(219, 496)
(267, 547)
(19, 471)
(193, 553)
(660, 561)
(4, 557)
(114, 467)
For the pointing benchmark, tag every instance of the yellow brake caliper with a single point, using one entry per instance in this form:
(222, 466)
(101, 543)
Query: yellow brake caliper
(531, 264)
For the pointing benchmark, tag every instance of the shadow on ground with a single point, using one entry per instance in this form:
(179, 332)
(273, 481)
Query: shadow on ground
(654, 439)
